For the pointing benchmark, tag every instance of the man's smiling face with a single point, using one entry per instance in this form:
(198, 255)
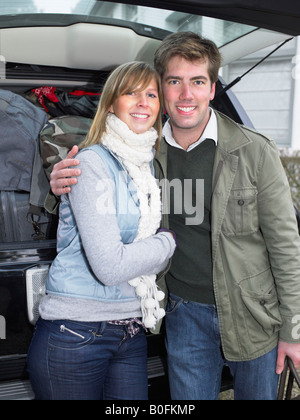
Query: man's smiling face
(187, 92)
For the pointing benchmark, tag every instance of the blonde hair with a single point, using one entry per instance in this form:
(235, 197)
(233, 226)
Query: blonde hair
(124, 79)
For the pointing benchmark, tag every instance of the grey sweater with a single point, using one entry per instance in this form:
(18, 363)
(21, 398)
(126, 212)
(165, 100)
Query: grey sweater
(112, 261)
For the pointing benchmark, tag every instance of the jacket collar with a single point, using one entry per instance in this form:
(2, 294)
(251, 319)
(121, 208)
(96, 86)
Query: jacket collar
(232, 136)
(210, 132)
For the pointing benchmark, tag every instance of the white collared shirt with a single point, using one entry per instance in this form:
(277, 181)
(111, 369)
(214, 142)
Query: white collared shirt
(210, 132)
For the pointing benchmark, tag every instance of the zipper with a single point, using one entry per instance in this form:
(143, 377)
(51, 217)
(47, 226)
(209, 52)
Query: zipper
(63, 328)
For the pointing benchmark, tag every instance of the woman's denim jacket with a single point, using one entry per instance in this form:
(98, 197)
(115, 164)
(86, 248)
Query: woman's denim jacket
(70, 274)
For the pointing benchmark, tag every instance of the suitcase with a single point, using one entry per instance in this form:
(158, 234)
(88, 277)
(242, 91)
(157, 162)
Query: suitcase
(22, 216)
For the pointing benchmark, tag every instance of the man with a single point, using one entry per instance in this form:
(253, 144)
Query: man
(234, 289)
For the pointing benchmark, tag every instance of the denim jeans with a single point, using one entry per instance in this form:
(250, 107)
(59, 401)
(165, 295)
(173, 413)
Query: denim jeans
(87, 361)
(195, 358)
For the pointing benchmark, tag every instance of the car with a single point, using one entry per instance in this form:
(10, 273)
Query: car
(53, 57)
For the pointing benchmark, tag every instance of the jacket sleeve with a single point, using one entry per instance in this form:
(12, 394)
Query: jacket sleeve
(279, 227)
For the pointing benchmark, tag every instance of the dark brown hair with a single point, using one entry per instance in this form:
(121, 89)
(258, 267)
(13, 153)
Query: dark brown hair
(190, 46)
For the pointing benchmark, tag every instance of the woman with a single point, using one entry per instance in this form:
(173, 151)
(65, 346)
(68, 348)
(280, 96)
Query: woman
(90, 342)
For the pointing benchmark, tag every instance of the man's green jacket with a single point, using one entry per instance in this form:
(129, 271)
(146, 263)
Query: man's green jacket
(255, 243)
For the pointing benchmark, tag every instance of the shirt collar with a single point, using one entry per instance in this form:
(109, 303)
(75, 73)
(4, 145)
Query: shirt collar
(210, 132)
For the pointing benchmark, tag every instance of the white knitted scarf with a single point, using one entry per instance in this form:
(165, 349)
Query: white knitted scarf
(136, 152)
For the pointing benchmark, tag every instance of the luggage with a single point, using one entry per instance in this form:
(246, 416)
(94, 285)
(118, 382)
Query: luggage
(59, 103)
(285, 388)
(59, 136)
(22, 216)
(20, 124)
(30, 145)
(18, 224)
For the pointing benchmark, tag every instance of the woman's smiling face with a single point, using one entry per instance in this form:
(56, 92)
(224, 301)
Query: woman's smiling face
(138, 109)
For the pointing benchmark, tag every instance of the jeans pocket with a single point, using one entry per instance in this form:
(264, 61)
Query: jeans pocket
(67, 337)
(173, 303)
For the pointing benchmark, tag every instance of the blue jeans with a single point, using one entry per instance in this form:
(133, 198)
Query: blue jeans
(195, 358)
(87, 361)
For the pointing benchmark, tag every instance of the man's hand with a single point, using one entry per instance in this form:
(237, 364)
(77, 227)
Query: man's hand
(63, 174)
(290, 350)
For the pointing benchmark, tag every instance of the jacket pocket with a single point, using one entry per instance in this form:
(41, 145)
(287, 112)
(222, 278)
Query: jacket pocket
(241, 217)
(262, 312)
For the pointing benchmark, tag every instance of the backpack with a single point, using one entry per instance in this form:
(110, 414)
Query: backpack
(59, 136)
(20, 124)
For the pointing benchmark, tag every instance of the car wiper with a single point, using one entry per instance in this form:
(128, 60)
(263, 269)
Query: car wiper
(239, 78)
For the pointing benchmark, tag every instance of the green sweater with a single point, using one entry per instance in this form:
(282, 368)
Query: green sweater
(190, 276)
